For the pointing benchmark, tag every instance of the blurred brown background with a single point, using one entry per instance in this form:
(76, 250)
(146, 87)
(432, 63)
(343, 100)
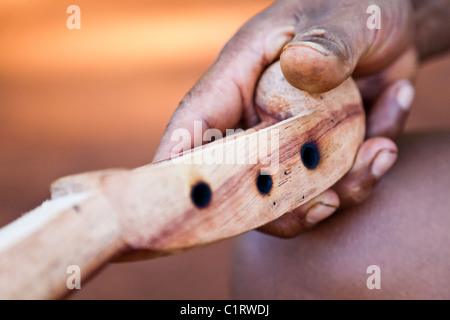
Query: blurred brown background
(100, 97)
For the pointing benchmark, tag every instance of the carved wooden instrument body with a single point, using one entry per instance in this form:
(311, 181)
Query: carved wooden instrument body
(304, 144)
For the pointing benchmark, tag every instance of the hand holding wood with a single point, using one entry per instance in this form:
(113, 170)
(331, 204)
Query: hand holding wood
(304, 144)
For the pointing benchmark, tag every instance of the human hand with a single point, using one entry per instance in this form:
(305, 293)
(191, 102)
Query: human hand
(321, 44)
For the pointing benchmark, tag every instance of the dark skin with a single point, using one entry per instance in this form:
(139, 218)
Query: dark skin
(320, 44)
(402, 227)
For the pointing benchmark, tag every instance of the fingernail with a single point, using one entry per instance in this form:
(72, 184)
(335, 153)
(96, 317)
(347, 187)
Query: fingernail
(383, 161)
(308, 44)
(319, 212)
(405, 94)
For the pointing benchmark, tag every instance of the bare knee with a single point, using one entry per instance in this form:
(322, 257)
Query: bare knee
(402, 228)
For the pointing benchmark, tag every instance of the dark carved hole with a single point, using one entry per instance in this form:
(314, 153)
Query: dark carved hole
(201, 195)
(264, 183)
(310, 155)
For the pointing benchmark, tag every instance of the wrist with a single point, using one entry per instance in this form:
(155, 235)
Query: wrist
(432, 27)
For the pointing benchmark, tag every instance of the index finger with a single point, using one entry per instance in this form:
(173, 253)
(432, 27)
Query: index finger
(224, 95)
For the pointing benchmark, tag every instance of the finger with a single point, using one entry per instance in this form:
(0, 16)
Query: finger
(388, 115)
(304, 217)
(333, 42)
(404, 67)
(224, 95)
(374, 158)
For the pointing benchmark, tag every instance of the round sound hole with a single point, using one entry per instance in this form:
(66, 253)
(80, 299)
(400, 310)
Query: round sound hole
(310, 155)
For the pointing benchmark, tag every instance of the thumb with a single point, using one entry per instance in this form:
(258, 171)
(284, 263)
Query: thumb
(330, 45)
(317, 60)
